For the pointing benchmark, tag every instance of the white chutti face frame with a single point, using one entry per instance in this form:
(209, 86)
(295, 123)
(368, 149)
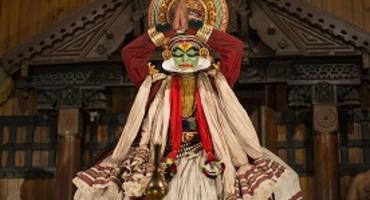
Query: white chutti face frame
(169, 66)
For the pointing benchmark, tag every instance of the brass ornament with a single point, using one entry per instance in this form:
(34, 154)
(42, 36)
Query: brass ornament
(166, 54)
(189, 136)
(204, 52)
(214, 12)
(157, 187)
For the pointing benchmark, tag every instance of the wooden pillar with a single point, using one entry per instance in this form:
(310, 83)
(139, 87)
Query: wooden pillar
(325, 146)
(268, 127)
(69, 152)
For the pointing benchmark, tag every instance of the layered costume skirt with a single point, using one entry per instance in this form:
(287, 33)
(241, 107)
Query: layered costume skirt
(251, 172)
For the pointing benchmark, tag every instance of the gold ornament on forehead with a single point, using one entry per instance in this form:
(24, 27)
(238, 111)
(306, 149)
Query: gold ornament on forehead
(213, 12)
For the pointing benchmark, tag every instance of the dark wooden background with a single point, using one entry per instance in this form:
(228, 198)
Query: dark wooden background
(21, 19)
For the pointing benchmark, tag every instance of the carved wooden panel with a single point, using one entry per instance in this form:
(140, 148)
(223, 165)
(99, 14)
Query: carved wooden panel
(305, 36)
(325, 118)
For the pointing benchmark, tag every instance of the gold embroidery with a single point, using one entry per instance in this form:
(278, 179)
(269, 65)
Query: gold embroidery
(217, 66)
(188, 85)
(151, 68)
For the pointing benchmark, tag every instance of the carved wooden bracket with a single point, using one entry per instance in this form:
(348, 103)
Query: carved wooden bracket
(91, 34)
(297, 27)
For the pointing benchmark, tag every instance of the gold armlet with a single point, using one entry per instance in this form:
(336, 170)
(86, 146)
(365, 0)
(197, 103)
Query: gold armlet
(157, 38)
(204, 33)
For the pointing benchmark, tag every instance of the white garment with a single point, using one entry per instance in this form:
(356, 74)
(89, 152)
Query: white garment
(233, 137)
(190, 183)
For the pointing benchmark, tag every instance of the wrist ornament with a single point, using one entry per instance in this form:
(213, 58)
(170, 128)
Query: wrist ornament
(156, 37)
(204, 33)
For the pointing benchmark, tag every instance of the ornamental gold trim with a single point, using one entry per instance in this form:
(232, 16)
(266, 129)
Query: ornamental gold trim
(204, 33)
(156, 37)
(215, 12)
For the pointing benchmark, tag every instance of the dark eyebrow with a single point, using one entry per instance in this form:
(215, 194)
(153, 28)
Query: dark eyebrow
(193, 48)
(177, 48)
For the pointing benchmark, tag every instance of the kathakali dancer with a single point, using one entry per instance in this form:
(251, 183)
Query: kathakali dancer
(208, 145)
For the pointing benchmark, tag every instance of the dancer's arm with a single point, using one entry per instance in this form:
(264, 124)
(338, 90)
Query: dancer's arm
(135, 57)
(230, 50)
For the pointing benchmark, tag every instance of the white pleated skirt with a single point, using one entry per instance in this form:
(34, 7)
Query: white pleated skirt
(190, 183)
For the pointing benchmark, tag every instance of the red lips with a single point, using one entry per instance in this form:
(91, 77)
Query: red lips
(186, 65)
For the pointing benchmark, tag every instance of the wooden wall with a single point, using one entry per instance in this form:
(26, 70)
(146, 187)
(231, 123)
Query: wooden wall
(356, 12)
(353, 11)
(21, 19)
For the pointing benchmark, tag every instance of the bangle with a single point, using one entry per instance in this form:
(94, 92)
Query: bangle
(157, 38)
(204, 33)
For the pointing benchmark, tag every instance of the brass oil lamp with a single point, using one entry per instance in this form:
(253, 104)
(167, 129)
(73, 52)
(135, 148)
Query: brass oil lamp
(157, 187)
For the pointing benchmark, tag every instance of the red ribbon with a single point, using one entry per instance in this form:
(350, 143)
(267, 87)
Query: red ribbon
(175, 118)
(205, 137)
(176, 122)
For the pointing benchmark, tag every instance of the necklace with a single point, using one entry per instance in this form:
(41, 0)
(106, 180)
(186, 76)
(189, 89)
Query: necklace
(188, 86)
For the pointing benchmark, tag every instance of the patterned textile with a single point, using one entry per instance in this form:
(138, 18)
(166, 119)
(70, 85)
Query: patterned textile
(266, 178)
(105, 181)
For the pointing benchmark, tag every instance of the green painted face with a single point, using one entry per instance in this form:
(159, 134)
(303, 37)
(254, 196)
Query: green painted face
(185, 56)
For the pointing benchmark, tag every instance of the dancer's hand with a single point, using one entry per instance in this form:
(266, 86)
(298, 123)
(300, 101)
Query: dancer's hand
(180, 22)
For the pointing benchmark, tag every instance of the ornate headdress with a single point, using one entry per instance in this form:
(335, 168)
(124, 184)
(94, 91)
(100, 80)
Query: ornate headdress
(185, 38)
(213, 12)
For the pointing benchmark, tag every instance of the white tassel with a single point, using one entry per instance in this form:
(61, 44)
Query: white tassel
(159, 116)
(220, 141)
(135, 119)
(165, 116)
(238, 118)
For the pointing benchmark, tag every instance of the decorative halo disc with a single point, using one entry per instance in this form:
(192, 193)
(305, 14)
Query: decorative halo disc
(215, 12)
